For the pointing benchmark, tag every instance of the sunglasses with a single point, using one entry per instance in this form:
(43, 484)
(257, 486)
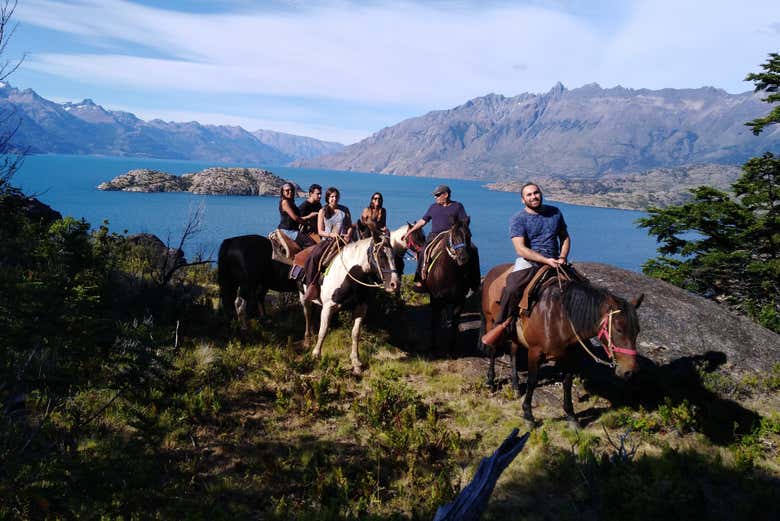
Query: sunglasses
(438, 194)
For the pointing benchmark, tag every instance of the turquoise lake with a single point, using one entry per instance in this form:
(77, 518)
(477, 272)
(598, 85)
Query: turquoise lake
(68, 184)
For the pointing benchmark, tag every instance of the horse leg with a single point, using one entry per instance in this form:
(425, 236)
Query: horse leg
(261, 292)
(307, 319)
(533, 374)
(358, 314)
(491, 372)
(568, 408)
(327, 309)
(513, 358)
(568, 379)
(240, 305)
(435, 314)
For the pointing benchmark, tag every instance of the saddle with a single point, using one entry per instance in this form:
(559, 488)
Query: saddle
(284, 249)
(543, 277)
(299, 260)
(430, 254)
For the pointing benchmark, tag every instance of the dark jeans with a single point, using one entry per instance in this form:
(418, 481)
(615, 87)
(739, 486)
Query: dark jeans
(513, 292)
(311, 270)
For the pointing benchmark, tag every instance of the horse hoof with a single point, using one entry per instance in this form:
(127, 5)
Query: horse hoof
(530, 422)
(357, 370)
(573, 423)
(315, 353)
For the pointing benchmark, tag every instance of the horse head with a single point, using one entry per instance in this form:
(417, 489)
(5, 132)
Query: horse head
(459, 242)
(618, 330)
(382, 261)
(401, 240)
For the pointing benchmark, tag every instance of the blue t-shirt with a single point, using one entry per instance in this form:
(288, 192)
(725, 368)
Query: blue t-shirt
(540, 230)
(442, 217)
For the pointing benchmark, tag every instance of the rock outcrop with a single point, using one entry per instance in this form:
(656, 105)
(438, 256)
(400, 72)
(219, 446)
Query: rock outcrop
(675, 323)
(211, 181)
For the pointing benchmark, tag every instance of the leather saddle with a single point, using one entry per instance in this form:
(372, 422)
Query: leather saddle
(284, 248)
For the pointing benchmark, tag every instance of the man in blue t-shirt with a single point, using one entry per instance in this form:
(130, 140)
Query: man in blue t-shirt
(540, 236)
(442, 214)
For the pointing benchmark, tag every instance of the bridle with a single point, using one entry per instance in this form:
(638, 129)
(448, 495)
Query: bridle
(605, 333)
(452, 249)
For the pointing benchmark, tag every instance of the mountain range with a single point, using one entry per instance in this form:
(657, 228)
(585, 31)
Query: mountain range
(88, 128)
(580, 133)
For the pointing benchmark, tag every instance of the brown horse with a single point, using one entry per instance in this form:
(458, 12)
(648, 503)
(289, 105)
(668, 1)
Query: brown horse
(566, 314)
(453, 270)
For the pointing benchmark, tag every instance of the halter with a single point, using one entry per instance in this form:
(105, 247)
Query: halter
(373, 261)
(452, 249)
(605, 332)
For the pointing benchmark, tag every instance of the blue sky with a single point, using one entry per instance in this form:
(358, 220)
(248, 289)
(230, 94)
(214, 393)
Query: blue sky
(342, 70)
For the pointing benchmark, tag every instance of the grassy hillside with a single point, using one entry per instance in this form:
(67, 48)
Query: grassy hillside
(124, 399)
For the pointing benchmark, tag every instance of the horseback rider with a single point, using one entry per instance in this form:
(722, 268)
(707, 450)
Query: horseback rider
(289, 215)
(374, 215)
(539, 236)
(309, 209)
(442, 214)
(334, 222)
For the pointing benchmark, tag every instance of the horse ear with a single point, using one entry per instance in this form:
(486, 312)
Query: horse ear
(638, 301)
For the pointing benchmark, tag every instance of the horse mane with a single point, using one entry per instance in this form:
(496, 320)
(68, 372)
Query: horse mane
(582, 303)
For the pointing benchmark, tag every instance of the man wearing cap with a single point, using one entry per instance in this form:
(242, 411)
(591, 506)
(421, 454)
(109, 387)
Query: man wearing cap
(540, 236)
(442, 214)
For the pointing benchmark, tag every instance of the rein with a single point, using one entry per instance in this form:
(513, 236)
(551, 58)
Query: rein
(372, 255)
(605, 332)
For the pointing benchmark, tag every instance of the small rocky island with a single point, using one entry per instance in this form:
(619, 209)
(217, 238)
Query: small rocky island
(211, 181)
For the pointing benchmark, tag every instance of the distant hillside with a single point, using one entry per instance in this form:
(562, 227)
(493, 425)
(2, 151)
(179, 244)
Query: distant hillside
(88, 128)
(298, 147)
(585, 132)
(659, 187)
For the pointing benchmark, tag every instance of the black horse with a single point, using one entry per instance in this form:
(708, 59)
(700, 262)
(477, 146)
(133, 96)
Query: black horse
(246, 272)
(452, 270)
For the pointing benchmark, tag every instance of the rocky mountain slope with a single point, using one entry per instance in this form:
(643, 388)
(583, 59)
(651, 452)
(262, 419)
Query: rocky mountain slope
(298, 147)
(211, 181)
(88, 128)
(659, 187)
(584, 132)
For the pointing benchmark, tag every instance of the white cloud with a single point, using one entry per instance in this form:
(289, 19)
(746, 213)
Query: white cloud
(404, 54)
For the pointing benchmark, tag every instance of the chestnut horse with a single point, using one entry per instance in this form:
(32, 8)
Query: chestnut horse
(453, 270)
(566, 314)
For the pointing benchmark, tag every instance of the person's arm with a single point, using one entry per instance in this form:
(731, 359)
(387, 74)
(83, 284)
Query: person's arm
(565, 247)
(286, 209)
(365, 216)
(419, 224)
(530, 255)
(382, 224)
(321, 224)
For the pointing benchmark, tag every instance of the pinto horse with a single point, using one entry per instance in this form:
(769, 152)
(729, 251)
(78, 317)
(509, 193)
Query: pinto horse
(358, 266)
(453, 270)
(246, 271)
(566, 314)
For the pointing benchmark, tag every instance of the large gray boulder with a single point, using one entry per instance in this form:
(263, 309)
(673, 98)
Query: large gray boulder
(676, 323)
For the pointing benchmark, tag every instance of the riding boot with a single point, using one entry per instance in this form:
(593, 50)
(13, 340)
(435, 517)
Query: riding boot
(494, 337)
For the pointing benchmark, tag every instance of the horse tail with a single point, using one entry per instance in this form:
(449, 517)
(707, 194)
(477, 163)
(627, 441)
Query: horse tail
(581, 303)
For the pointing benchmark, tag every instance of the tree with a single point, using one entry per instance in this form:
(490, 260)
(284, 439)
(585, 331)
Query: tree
(10, 156)
(768, 81)
(726, 246)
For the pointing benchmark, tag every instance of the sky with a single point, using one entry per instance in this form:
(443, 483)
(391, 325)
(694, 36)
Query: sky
(342, 70)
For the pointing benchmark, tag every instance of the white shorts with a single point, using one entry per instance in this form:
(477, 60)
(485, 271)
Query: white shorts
(521, 264)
